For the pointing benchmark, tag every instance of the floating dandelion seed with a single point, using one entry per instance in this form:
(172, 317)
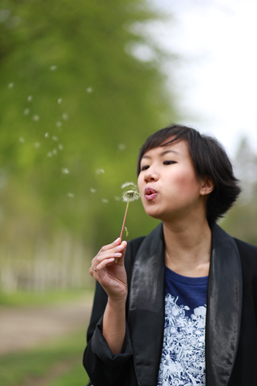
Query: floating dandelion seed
(36, 118)
(105, 201)
(10, 85)
(116, 198)
(92, 190)
(54, 151)
(37, 144)
(65, 171)
(60, 147)
(29, 98)
(130, 194)
(71, 195)
(46, 135)
(12, 22)
(100, 171)
(22, 140)
(53, 68)
(121, 146)
(65, 116)
(49, 154)
(89, 90)
(58, 124)
(4, 14)
(59, 101)
(26, 111)
(55, 138)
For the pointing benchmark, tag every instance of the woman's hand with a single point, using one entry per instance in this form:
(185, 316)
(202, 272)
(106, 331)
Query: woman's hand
(112, 276)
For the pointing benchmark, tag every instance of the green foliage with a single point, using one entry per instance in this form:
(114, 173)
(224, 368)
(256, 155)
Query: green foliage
(241, 221)
(74, 98)
(25, 298)
(52, 363)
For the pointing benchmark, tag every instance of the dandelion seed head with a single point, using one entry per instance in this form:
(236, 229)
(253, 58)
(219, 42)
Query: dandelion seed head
(130, 193)
(26, 111)
(29, 98)
(36, 118)
(65, 171)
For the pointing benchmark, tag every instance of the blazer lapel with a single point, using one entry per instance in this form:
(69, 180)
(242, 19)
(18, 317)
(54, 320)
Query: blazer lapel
(224, 308)
(146, 307)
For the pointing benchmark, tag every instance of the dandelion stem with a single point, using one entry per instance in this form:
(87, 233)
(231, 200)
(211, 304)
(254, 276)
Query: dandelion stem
(123, 225)
(124, 221)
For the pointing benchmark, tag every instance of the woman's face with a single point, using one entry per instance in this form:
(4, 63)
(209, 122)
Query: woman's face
(168, 184)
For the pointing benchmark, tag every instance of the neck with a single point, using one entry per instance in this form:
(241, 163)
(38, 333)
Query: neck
(188, 247)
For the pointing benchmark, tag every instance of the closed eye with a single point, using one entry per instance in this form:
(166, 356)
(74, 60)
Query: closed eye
(169, 162)
(144, 167)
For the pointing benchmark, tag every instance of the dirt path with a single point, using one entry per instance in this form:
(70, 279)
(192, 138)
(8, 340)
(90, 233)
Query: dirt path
(22, 328)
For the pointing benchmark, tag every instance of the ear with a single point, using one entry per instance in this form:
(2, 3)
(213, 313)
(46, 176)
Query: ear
(207, 186)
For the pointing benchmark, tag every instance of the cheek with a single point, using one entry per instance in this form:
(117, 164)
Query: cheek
(186, 183)
(140, 184)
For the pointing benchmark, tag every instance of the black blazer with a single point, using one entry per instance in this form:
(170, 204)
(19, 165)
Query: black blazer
(231, 320)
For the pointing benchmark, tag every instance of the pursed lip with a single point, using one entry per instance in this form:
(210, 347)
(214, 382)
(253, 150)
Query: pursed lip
(150, 193)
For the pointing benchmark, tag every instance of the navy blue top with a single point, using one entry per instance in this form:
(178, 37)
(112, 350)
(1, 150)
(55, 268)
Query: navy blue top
(183, 353)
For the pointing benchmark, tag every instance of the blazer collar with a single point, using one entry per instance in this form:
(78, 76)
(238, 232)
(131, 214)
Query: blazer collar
(224, 308)
(146, 307)
(224, 305)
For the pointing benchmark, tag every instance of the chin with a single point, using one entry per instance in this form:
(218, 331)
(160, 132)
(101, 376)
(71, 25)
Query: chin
(153, 214)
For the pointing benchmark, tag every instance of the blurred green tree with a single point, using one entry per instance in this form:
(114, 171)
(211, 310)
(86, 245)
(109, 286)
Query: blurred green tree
(241, 220)
(81, 89)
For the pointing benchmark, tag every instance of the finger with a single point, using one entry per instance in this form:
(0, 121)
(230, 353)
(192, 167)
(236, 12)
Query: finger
(112, 245)
(101, 266)
(122, 257)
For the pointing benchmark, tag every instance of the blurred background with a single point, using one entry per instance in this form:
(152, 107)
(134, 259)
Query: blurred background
(82, 85)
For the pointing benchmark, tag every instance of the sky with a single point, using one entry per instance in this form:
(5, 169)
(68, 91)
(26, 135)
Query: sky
(216, 78)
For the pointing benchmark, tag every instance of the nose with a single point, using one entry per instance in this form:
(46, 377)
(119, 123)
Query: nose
(150, 175)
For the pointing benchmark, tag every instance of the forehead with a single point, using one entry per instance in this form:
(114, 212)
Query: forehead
(179, 148)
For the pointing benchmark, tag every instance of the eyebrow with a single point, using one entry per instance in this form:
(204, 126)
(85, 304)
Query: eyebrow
(163, 153)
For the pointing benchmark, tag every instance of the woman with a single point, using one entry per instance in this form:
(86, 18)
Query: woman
(180, 305)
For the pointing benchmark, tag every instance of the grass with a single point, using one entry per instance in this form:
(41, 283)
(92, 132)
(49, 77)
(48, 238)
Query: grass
(27, 298)
(55, 364)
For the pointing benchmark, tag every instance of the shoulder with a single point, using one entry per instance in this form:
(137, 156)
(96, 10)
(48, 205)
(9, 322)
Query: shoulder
(248, 249)
(248, 256)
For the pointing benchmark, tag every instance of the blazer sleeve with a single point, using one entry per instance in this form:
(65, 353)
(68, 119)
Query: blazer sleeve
(102, 366)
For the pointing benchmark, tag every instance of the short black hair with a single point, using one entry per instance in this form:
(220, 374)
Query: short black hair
(209, 159)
